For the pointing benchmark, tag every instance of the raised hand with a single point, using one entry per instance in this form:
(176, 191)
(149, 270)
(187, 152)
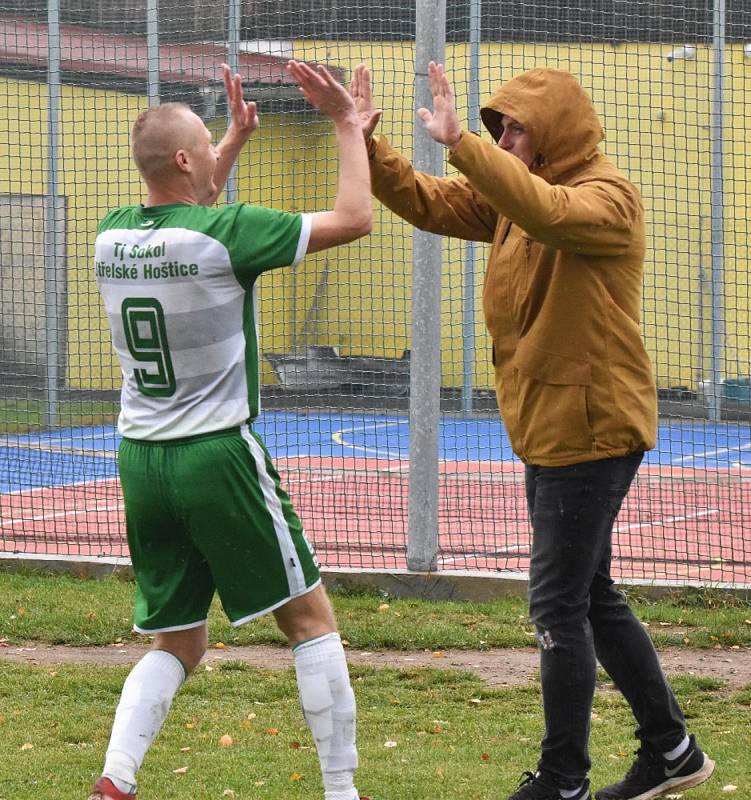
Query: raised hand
(244, 115)
(362, 93)
(443, 122)
(321, 90)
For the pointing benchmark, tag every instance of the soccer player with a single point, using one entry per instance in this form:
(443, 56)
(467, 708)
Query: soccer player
(204, 507)
(575, 388)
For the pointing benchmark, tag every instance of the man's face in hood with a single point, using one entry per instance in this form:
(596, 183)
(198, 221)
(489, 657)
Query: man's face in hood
(516, 139)
(557, 113)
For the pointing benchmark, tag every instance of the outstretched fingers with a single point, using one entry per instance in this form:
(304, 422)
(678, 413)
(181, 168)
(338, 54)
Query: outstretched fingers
(439, 83)
(321, 89)
(244, 115)
(360, 86)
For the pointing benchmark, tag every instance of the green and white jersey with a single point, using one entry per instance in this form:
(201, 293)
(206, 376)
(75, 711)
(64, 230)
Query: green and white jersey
(176, 282)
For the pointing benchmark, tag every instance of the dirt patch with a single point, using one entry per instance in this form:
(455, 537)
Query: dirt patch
(501, 667)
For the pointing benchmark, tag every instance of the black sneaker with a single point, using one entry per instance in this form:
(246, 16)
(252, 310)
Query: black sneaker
(651, 775)
(534, 787)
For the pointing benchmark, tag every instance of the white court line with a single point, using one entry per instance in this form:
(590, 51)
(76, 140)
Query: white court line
(616, 529)
(709, 453)
(338, 438)
(46, 488)
(72, 513)
(514, 548)
(668, 521)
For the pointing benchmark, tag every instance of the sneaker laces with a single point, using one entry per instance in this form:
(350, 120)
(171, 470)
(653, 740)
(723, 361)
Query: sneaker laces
(527, 777)
(645, 762)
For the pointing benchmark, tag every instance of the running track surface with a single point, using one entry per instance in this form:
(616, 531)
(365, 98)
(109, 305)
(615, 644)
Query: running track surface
(687, 517)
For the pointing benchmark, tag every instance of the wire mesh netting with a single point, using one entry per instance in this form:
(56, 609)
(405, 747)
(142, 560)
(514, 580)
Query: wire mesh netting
(669, 81)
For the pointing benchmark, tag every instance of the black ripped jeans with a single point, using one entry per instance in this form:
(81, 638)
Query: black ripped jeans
(579, 613)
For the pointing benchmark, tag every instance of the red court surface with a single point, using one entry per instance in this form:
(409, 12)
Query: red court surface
(677, 524)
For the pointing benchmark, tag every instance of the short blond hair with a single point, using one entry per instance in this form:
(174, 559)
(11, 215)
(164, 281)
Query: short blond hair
(157, 134)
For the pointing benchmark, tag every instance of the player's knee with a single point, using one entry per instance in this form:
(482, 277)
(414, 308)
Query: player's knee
(188, 646)
(306, 617)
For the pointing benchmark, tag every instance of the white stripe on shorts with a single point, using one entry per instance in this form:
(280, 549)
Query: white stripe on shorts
(292, 567)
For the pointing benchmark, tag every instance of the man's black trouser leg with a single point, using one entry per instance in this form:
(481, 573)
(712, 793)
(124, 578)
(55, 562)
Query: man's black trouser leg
(577, 611)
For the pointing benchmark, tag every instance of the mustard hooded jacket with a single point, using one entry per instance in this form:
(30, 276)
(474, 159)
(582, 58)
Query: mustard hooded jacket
(562, 291)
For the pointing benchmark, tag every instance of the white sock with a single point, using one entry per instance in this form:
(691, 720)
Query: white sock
(570, 792)
(328, 704)
(144, 702)
(671, 755)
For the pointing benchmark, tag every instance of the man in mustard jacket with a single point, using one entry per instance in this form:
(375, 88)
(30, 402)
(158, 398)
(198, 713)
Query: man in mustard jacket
(575, 388)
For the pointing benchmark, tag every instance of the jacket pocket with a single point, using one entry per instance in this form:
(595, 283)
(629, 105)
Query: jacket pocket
(553, 414)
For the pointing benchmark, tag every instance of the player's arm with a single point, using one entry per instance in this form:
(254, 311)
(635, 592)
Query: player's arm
(244, 122)
(596, 218)
(352, 214)
(446, 206)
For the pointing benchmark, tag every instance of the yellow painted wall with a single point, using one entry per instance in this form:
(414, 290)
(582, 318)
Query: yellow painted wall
(96, 174)
(656, 116)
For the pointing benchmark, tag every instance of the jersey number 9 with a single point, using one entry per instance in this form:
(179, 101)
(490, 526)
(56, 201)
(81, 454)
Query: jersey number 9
(146, 337)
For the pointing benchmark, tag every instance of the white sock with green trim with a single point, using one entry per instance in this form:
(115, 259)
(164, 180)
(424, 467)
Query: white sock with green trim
(144, 703)
(328, 703)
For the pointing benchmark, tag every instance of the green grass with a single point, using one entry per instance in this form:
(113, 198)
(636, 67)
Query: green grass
(455, 738)
(68, 610)
(26, 416)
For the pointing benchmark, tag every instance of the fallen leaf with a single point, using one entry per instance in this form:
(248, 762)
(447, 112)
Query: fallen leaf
(185, 749)
(272, 731)
(475, 700)
(226, 740)
(27, 746)
(91, 615)
(484, 757)
(729, 788)
(295, 745)
(438, 654)
(246, 723)
(220, 646)
(228, 793)
(259, 783)
(389, 743)
(180, 770)
(384, 607)
(295, 776)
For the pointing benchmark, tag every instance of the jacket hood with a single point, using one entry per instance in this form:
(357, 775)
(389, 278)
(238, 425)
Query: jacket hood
(558, 114)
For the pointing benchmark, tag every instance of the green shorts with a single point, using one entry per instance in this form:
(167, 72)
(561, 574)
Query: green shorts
(208, 513)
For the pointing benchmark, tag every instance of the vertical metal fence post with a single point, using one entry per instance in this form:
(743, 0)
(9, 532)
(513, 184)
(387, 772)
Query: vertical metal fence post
(425, 373)
(718, 218)
(233, 61)
(152, 52)
(53, 218)
(470, 252)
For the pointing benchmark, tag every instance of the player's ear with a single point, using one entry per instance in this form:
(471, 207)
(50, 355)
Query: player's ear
(182, 161)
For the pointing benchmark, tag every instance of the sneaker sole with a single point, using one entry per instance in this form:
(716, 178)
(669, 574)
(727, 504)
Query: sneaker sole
(683, 782)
